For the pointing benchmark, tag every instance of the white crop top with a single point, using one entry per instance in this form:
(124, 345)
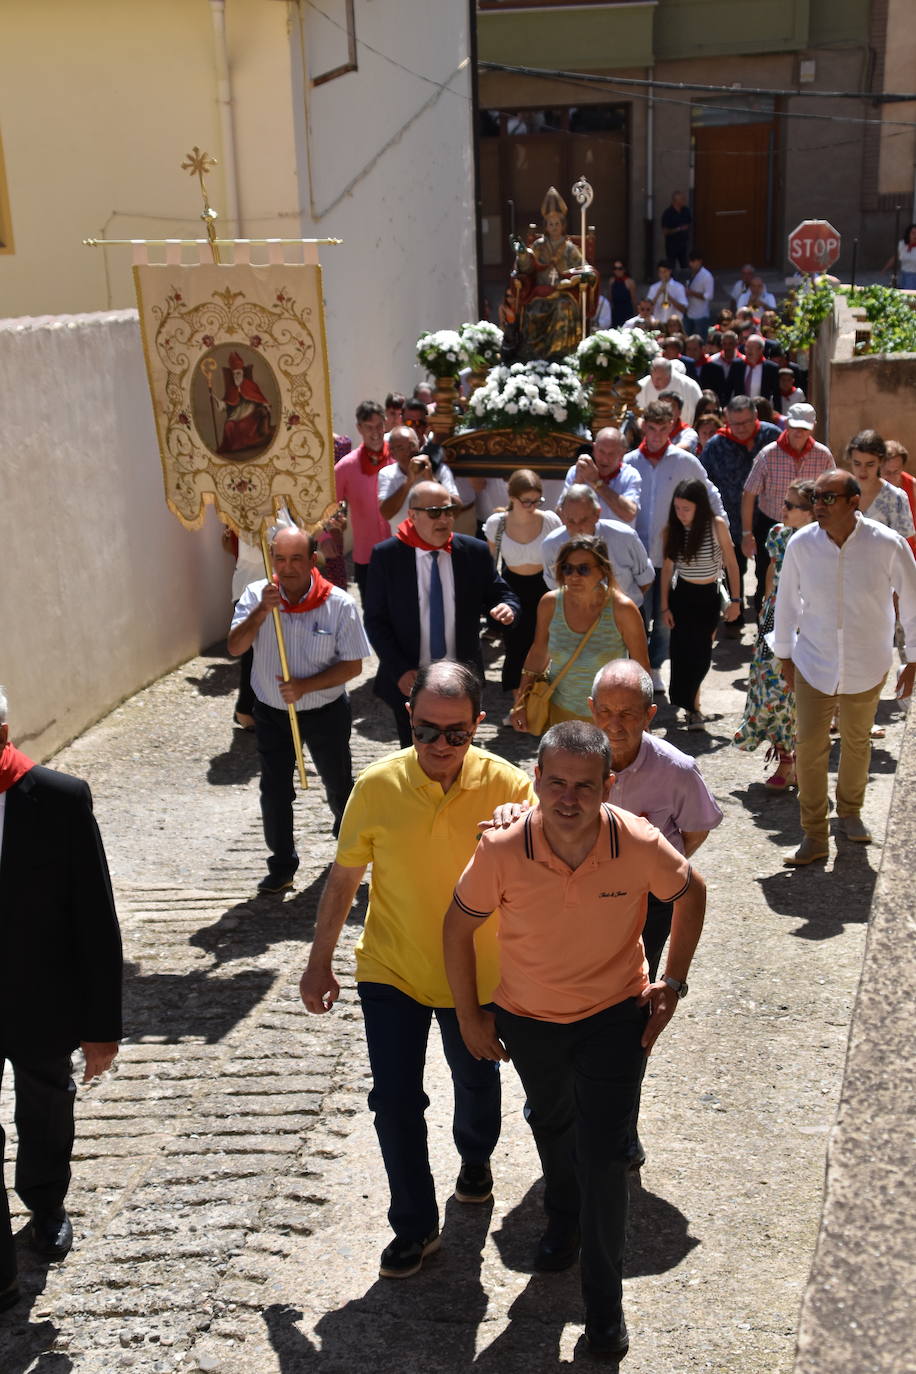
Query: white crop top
(516, 555)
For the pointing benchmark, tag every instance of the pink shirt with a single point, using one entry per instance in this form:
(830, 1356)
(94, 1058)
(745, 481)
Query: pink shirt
(360, 491)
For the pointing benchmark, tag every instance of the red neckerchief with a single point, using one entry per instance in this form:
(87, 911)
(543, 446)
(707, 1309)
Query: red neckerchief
(742, 443)
(319, 591)
(408, 534)
(366, 464)
(677, 428)
(13, 766)
(783, 443)
(654, 454)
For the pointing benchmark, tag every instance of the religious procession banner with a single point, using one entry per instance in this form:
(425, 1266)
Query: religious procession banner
(237, 365)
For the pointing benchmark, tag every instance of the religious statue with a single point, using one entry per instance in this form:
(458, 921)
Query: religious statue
(547, 285)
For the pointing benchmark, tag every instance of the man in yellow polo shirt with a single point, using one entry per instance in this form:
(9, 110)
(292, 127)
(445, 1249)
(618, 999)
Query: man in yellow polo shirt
(575, 1010)
(414, 817)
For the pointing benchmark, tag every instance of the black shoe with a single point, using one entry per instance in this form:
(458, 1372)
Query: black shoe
(270, 885)
(51, 1235)
(607, 1340)
(404, 1257)
(557, 1250)
(475, 1183)
(636, 1156)
(9, 1295)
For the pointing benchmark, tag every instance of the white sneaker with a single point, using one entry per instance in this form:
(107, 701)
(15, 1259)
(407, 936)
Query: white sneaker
(657, 683)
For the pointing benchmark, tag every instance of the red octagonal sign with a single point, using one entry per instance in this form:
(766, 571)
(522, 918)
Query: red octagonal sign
(814, 246)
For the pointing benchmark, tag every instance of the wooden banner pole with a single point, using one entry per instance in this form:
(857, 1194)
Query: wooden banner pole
(284, 662)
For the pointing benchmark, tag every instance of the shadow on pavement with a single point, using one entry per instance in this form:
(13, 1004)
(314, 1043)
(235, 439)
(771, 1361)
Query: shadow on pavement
(26, 1344)
(238, 763)
(219, 679)
(175, 1005)
(826, 902)
(252, 927)
(428, 1322)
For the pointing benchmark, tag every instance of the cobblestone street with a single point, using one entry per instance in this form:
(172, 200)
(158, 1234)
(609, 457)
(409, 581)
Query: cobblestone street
(228, 1198)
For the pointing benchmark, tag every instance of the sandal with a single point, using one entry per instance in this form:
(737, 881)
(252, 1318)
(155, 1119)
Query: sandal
(784, 777)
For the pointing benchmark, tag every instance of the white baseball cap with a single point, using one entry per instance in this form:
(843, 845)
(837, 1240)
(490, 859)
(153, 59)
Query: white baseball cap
(801, 416)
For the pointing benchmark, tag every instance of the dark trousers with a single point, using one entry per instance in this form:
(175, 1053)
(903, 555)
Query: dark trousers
(742, 569)
(519, 635)
(654, 938)
(397, 1030)
(45, 1094)
(761, 526)
(582, 1080)
(696, 608)
(326, 734)
(402, 725)
(656, 630)
(360, 573)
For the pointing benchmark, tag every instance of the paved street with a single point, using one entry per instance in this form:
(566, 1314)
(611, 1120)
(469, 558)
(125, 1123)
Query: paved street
(228, 1199)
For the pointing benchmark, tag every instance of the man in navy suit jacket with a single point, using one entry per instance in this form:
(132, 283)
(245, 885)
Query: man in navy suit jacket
(60, 983)
(425, 593)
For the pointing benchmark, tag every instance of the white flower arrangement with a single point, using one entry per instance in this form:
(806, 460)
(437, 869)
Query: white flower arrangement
(441, 353)
(482, 343)
(536, 394)
(609, 353)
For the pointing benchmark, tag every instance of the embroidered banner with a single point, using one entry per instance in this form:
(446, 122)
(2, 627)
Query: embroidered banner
(237, 366)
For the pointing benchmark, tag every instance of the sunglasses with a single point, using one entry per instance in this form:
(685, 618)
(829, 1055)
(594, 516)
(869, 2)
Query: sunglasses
(577, 569)
(797, 505)
(428, 734)
(829, 498)
(448, 511)
(618, 267)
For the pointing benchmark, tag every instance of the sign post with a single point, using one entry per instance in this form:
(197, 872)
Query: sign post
(814, 246)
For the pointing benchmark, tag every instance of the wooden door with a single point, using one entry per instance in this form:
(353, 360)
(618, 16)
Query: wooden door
(731, 193)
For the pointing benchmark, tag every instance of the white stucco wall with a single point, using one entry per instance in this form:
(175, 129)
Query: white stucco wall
(385, 163)
(103, 590)
(98, 106)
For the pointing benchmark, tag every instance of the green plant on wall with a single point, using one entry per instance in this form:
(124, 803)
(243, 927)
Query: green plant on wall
(892, 319)
(889, 312)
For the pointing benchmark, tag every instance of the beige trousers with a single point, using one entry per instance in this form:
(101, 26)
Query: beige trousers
(814, 712)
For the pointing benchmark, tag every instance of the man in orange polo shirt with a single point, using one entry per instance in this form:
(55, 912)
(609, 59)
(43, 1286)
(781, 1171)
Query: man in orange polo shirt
(575, 1010)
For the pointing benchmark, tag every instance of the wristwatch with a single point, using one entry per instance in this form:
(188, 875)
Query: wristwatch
(680, 988)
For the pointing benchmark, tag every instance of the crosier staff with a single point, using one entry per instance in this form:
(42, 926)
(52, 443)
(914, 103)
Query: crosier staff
(583, 193)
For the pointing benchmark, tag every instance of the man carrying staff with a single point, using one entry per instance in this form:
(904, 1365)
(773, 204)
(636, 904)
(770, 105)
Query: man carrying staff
(414, 817)
(325, 647)
(575, 1010)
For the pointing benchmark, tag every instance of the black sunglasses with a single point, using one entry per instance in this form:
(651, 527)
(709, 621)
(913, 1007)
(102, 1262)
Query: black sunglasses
(437, 510)
(577, 569)
(428, 734)
(797, 505)
(829, 498)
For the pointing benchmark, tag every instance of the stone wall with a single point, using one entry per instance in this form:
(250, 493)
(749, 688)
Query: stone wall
(858, 1308)
(103, 590)
(865, 391)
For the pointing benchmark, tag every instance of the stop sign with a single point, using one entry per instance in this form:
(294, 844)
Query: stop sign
(814, 246)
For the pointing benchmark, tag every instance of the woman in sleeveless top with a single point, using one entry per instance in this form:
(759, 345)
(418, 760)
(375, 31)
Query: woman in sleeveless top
(515, 535)
(586, 593)
(697, 546)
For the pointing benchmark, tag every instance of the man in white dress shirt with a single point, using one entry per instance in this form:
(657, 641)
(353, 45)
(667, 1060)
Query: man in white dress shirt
(701, 288)
(664, 376)
(325, 647)
(834, 632)
(668, 297)
(410, 466)
(580, 509)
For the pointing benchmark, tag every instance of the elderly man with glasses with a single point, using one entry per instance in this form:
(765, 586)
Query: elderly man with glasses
(834, 632)
(414, 816)
(426, 591)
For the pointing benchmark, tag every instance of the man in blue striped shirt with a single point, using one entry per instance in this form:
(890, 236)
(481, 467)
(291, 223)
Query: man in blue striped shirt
(325, 647)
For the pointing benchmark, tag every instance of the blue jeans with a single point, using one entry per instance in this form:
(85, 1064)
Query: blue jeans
(657, 631)
(582, 1083)
(397, 1030)
(698, 324)
(325, 733)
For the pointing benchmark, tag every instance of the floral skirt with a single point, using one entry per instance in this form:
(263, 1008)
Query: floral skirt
(769, 712)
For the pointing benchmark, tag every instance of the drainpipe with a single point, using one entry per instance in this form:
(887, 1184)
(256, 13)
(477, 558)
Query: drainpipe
(232, 221)
(649, 236)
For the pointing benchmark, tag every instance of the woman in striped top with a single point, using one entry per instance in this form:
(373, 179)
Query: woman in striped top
(697, 547)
